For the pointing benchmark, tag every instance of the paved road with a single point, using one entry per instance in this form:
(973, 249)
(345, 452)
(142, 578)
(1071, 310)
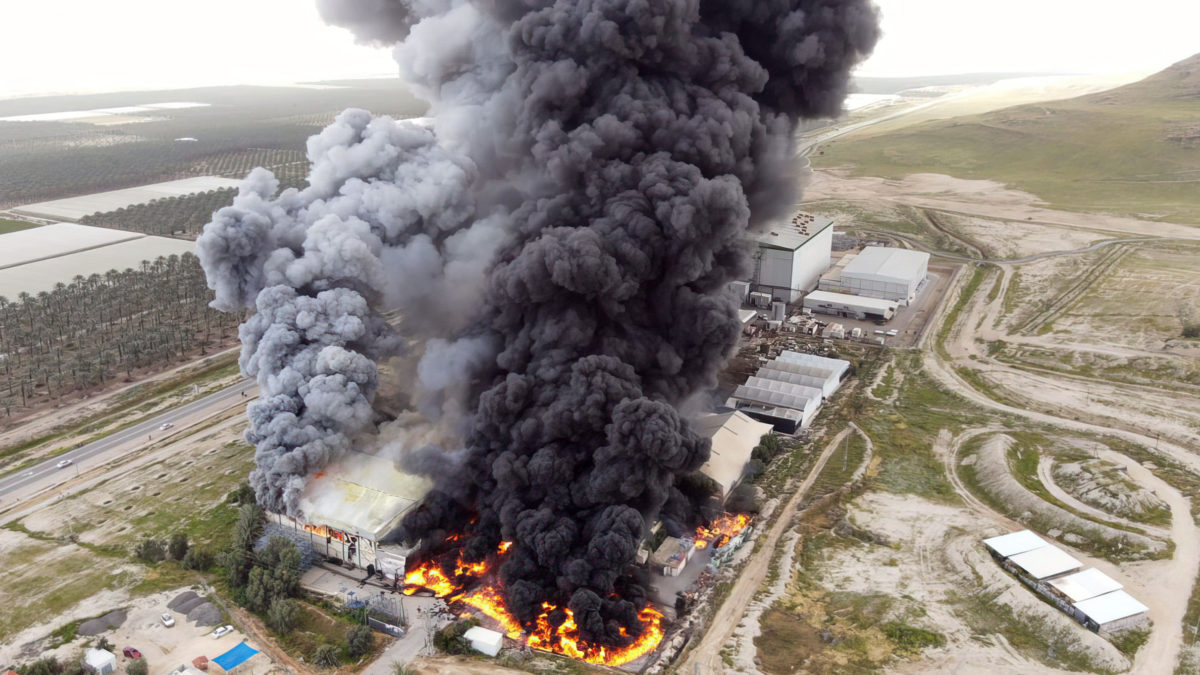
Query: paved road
(46, 473)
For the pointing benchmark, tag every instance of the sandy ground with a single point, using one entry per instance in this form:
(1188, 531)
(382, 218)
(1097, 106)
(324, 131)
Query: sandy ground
(984, 198)
(706, 656)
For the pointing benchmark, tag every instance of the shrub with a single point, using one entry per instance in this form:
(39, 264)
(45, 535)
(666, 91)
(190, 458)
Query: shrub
(150, 551)
(178, 547)
(198, 559)
(138, 667)
(360, 639)
(43, 666)
(326, 656)
(1191, 330)
(450, 639)
(909, 639)
(283, 615)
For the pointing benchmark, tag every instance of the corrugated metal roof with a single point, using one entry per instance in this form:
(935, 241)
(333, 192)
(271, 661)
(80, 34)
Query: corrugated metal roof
(361, 494)
(1110, 607)
(1014, 543)
(1044, 562)
(887, 264)
(1086, 584)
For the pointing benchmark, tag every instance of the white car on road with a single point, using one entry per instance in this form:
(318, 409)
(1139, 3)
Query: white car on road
(63, 463)
(164, 426)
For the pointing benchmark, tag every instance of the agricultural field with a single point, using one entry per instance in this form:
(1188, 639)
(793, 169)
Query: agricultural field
(75, 208)
(239, 128)
(7, 225)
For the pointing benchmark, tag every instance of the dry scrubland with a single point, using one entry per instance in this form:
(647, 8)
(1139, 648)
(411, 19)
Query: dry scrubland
(69, 558)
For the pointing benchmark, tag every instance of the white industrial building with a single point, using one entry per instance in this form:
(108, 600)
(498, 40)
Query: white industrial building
(879, 272)
(791, 257)
(858, 307)
(788, 391)
(1091, 597)
(1112, 612)
(734, 436)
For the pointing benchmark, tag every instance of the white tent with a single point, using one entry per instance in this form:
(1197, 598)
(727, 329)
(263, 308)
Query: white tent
(100, 661)
(483, 640)
(1014, 542)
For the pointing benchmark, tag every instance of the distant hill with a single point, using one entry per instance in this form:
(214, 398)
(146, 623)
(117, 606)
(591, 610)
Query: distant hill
(1134, 149)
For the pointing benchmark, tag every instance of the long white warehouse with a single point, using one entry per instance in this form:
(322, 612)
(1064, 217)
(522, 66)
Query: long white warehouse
(878, 272)
(791, 257)
(858, 307)
(788, 391)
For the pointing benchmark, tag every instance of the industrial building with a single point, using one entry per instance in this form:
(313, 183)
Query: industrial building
(858, 307)
(1090, 596)
(787, 392)
(879, 272)
(734, 436)
(791, 257)
(352, 505)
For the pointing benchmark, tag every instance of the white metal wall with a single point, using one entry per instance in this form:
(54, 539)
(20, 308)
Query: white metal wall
(811, 260)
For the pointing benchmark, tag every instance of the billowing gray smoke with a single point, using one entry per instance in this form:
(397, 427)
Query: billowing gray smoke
(558, 251)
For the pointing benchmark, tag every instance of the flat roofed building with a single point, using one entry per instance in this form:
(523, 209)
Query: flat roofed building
(1084, 585)
(791, 256)
(880, 272)
(734, 436)
(1112, 612)
(1045, 563)
(810, 381)
(1014, 542)
(859, 307)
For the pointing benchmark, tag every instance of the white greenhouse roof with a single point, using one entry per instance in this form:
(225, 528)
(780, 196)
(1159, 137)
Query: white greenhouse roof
(1110, 607)
(361, 494)
(877, 263)
(746, 315)
(1015, 542)
(793, 234)
(734, 436)
(1046, 561)
(1086, 584)
(817, 297)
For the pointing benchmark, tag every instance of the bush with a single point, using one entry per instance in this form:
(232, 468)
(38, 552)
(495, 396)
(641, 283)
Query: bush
(198, 559)
(44, 666)
(910, 640)
(74, 667)
(402, 669)
(1191, 330)
(754, 469)
(138, 667)
(104, 644)
(178, 547)
(326, 656)
(360, 640)
(283, 615)
(150, 551)
(450, 639)
(241, 496)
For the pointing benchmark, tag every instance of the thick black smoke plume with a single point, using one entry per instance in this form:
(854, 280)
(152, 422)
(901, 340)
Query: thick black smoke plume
(571, 224)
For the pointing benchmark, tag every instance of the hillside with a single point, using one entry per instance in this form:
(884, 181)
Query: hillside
(1134, 149)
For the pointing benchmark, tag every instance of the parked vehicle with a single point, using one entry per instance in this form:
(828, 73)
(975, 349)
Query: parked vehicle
(131, 653)
(222, 631)
(168, 620)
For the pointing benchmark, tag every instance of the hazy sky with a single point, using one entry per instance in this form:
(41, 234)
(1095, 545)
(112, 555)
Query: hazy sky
(96, 45)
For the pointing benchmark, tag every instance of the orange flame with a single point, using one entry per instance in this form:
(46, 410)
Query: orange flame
(563, 640)
(721, 530)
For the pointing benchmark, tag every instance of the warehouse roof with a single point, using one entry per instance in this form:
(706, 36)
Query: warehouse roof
(1047, 561)
(1111, 606)
(1014, 543)
(734, 436)
(361, 494)
(795, 233)
(1086, 584)
(817, 297)
(887, 264)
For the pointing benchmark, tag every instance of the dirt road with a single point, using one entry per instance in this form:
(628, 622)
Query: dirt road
(706, 657)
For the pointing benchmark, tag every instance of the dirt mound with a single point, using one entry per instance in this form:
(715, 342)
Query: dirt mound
(180, 599)
(97, 626)
(205, 614)
(995, 477)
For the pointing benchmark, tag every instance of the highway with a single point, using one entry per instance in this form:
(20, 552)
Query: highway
(47, 473)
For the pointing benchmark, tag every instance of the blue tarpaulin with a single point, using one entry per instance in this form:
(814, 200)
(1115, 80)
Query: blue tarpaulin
(235, 657)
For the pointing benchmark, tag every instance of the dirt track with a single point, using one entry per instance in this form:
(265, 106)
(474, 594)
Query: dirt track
(706, 657)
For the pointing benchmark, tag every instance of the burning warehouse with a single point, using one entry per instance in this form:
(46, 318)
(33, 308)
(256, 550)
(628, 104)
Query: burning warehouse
(547, 261)
(351, 506)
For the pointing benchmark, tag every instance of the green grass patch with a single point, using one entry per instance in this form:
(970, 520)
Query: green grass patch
(7, 225)
(1130, 641)
(979, 272)
(909, 640)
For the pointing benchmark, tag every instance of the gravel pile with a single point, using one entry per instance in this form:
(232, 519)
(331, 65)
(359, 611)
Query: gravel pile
(205, 614)
(97, 626)
(183, 597)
